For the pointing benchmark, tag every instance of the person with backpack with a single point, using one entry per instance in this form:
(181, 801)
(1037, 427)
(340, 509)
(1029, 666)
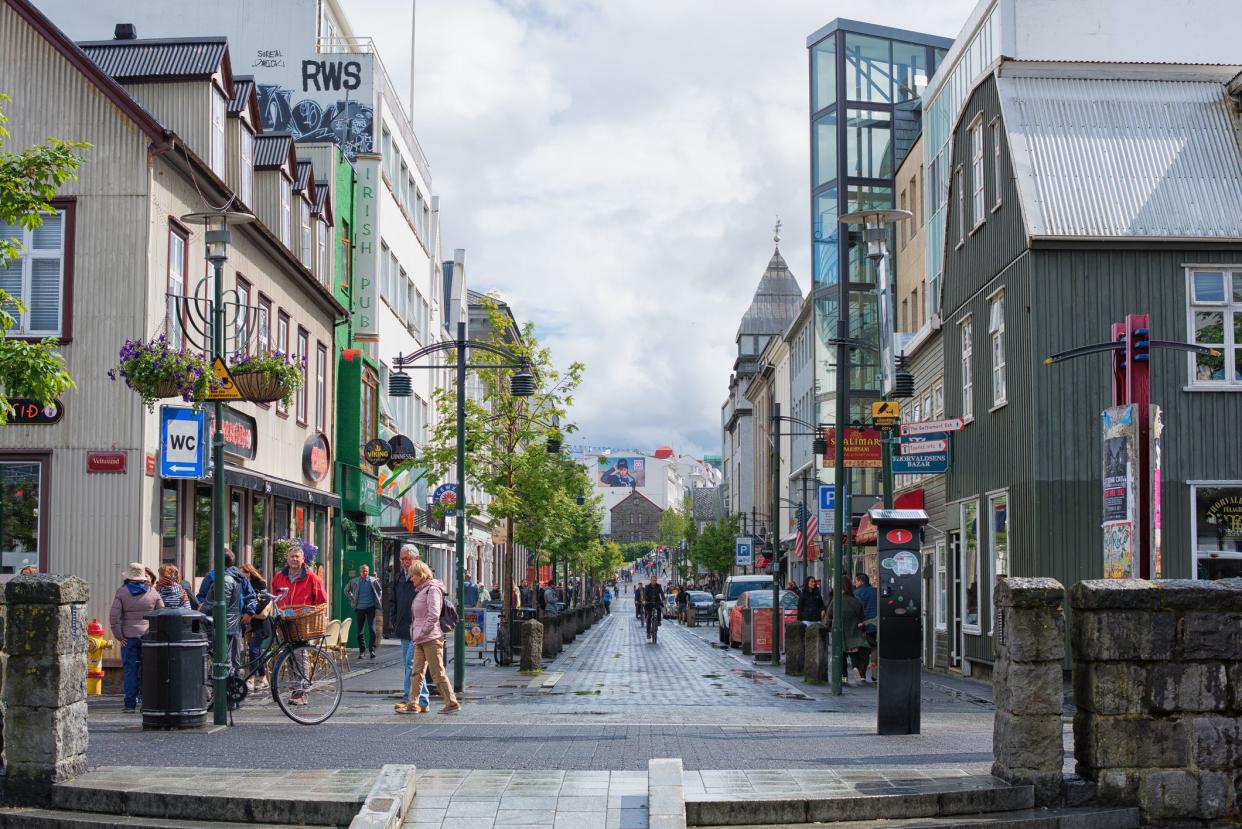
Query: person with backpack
(403, 593)
(431, 616)
(134, 599)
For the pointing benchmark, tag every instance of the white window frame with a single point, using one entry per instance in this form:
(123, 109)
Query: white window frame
(940, 587)
(1194, 487)
(997, 170)
(994, 561)
(304, 243)
(177, 241)
(24, 265)
(1230, 311)
(938, 398)
(967, 627)
(966, 332)
(978, 197)
(385, 289)
(323, 266)
(321, 386)
(996, 339)
(301, 413)
(245, 164)
(959, 176)
(242, 326)
(286, 212)
(219, 108)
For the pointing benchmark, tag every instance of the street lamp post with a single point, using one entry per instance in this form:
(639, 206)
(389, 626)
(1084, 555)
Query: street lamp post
(521, 384)
(211, 311)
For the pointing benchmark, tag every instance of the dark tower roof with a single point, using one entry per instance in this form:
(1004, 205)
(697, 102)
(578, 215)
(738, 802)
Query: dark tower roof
(776, 301)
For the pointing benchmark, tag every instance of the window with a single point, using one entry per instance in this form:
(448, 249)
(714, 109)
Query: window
(968, 380)
(996, 163)
(42, 275)
(217, 132)
(868, 68)
(370, 409)
(176, 284)
(1215, 319)
(868, 143)
(286, 220)
(996, 331)
(824, 73)
(970, 566)
(938, 399)
(998, 540)
(306, 233)
(959, 184)
(916, 310)
(264, 333)
(302, 357)
(323, 265)
(910, 70)
(23, 515)
(321, 387)
(942, 589)
(385, 287)
(1217, 530)
(245, 169)
(976, 170)
(241, 342)
(282, 345)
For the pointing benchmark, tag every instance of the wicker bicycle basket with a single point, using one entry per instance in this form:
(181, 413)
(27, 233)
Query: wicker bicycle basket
(303, 622)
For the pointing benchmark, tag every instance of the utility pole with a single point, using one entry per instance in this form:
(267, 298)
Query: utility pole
(774, 533)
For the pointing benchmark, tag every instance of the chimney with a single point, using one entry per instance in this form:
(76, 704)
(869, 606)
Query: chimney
(125, 31)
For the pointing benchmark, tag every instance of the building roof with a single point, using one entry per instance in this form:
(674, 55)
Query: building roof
(243, 89)
(634, 493)
(162, 59)
(305, 177)
(775, 303)
(272, 150)
(321, 200)
(1124, 152)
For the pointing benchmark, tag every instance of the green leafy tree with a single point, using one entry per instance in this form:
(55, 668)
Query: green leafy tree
(506, 438)
(29, 181)
(634, 550)
(713, 549)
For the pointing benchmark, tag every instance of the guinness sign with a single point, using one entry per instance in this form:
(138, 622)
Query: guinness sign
(401, 449)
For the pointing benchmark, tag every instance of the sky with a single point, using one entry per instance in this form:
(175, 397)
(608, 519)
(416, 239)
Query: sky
(614, 169)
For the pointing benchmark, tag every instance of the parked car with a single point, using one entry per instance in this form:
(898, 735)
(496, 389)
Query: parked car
(758, 599)
(735, 586)
(704, 605)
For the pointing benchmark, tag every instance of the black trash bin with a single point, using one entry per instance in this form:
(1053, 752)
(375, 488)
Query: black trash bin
(174, 674)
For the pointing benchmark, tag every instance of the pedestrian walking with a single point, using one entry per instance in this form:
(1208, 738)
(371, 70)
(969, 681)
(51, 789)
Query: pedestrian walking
(239, 605)
(426, 633)
(607, 600)
(857, 650)
(169, 587)
(683, 602)
(365, 594)
(471, 591)
(135, 598)
(810, 602)
(404, 591)
(866, 594)
(260, 629)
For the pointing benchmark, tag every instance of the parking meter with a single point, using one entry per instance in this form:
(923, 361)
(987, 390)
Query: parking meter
(899, 533)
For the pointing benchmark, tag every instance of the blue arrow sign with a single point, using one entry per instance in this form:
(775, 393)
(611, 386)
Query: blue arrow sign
(923, 463)
(183, 445)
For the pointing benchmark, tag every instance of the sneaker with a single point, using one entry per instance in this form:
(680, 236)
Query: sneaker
(261, 685)
(298, 699)
(451, 708)
(372, 654)
(129, 710)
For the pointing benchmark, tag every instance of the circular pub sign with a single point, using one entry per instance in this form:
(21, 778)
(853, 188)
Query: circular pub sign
(377, 451)
(446, 496)
(401, 450)
(316, 458)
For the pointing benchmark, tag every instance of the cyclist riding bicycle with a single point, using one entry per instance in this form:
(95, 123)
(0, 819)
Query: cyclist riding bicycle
(653, 600)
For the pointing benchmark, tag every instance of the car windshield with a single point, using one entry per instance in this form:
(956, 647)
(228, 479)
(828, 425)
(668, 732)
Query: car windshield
(739, 586)
(700, 596)
(763, 598)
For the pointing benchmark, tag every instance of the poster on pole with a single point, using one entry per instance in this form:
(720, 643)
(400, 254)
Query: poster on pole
(480, 626)
(1154, 449)
(1120, 489)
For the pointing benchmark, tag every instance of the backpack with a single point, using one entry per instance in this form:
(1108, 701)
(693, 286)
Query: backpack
(448, 614)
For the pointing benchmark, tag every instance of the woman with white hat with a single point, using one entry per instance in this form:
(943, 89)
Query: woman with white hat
(135, 598)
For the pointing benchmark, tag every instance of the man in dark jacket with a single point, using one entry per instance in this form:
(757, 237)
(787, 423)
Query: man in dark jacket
(403, 592)
(365, 594)
(240, 603)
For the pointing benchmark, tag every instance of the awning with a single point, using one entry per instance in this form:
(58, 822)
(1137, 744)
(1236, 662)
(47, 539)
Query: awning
(866, 532)
(245, 479)
(421, 535)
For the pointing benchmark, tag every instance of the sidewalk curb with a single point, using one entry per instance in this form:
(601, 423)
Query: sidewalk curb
(389, 800)
(666, 799)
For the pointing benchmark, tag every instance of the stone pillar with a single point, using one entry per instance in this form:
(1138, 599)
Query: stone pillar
(532, 645)
(815, 652)
(551, 636)
(794, 648)
(1027, 734)
(45, 733)
(1158, 691)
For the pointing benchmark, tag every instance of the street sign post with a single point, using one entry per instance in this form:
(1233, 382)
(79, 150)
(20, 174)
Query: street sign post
(922, 455)
(927, 427)
(745, 551)
(924, 447)
(885, 414)
(183, 449)
(827, 503)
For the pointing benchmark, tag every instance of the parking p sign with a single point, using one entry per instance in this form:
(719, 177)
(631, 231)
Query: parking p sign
(827, 503)
(745, 551)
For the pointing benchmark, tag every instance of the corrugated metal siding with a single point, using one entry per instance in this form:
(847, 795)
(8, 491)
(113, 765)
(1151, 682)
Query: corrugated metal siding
(184, 108)
(191, 59)
(1108, 158)
(272, 149)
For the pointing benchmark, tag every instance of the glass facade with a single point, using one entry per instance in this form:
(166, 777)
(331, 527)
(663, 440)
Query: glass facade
(861, 82)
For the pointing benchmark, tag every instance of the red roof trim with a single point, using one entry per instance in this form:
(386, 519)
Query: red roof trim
(111, 90)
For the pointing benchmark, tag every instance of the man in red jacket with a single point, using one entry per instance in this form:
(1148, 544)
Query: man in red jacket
(303, 588)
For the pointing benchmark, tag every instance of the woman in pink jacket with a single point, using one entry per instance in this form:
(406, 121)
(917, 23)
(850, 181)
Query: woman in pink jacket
(426, 635)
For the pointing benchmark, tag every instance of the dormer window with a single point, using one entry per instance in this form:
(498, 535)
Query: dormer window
(245, 170)
(218, 107)
(286, 220)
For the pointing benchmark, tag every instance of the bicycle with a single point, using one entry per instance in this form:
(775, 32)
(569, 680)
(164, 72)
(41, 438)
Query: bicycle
(305, 680)
(653, 623)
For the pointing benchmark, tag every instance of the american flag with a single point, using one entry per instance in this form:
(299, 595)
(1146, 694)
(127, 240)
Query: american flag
(801, 541)
(812, 531)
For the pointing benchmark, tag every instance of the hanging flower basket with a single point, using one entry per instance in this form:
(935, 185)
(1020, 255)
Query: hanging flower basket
(268, 377)
(156, 370)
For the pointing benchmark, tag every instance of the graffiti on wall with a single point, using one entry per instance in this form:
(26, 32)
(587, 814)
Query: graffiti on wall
(334, 104)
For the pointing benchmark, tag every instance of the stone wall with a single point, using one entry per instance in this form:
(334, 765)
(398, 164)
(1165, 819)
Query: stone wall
(1158, 691)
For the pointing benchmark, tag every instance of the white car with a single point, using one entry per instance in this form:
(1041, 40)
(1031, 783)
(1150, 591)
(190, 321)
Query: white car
(734, 587)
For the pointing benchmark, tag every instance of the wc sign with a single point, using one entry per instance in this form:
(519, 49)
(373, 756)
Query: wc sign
(183, 447)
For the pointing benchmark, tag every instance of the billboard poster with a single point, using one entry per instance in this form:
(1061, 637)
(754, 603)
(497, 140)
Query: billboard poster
(1120, 488)
(1154, 450)
(622, 472)
(475, 621)
(761, 630)
(863, 448)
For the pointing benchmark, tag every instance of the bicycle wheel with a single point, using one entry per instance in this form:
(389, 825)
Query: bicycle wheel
(306, 683)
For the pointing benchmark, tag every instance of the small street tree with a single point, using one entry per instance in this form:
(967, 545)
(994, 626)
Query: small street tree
(29, 181)
(506, 439)
(713, 550)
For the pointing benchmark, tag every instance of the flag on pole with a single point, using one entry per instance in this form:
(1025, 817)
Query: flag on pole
(812, 533)
(799, 545)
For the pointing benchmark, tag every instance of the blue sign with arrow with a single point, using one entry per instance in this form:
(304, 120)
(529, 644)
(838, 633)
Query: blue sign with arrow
(183, 445)
(906, 462)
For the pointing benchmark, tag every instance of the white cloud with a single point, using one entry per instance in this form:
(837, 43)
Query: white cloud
(614, 168)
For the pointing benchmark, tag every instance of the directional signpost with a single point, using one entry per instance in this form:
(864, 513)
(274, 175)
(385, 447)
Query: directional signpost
(928, 427)
(923, 455)
(183, 448)
(927, 446)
